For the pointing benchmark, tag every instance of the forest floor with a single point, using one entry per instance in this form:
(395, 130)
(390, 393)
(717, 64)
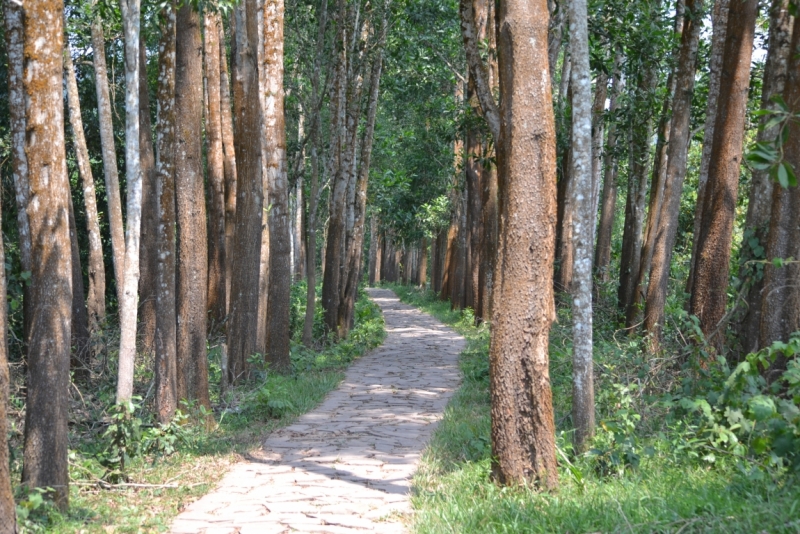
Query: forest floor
(169, 467)
(652, 467)
(347, 465)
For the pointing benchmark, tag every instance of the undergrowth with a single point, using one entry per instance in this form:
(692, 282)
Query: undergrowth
(130, 474)
(665, 459)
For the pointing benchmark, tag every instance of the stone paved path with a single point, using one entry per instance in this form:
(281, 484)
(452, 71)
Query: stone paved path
(347, 465)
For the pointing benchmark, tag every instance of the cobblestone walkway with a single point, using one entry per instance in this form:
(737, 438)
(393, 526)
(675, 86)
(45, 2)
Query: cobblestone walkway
(347, 465)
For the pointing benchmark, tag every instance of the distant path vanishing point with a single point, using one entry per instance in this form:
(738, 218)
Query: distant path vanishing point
(347, 465)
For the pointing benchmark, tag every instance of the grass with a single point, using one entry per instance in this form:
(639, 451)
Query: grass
(643, 475)
(241, 419)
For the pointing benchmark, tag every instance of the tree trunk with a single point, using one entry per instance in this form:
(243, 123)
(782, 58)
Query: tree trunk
(247, 237)
(422, 270)
(374, 275)
(14, 33)
(336, 223)
(719, 21)
(81, 339)
(311, 246)
(608, 204)
(598, 129)
(215, 165)
(166, 388)
(297, 230)
(35, 57)
(710, 290)
(640, 133)
(657, 185)
(759, 208)
(96, 299)
(780, 313)
(229, 164)
(8, 525)
(582, 224)
(148, 262)
(666, 231)
(133, 175)
(458, 292)
(523, 430)
(280, 268)
(110, 171)
(192, 250)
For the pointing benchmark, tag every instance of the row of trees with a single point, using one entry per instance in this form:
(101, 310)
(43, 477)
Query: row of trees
(232, 150)
(650, 120)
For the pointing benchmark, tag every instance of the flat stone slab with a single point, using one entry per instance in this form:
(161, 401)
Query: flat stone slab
(347, 465)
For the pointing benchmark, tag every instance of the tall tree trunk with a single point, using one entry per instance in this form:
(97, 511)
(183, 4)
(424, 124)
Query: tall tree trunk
(110, 171)
(15, 36)
(523, 430)
(641, 129)
(35, 57)
(96, 299)
(192, 272)
(608, 204)
(133, 175)
(81, 339)
(166, 389)
(583, 226)
(658, 183)
(759, 208)
(374, 275)
(719, 21)
(8, 525)
(336, 223)
(780, 313)
(297, 230)
(710, 290)
(148, 262)
(666, 231)
(598, 130)
(216, 172)
(458, 292)
(280, 268)
(229, 167)
(247, 237)
(422, 270)
(311, 246)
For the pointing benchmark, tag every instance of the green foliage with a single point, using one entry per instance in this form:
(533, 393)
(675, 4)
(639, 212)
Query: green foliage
(126, 438)
(769, 155)
(744, 413)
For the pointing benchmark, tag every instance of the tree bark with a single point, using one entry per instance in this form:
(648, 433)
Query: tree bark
(81, 339)
(110, 171)
(280, 268)
(477, 68)
(640, 133)
(166, 388)
(8, 520)
(133, 174)
(759, 208)
(523, 430)
(658, 183)
(215, 166)
(336, 223)
(780, 312)
(35, 56)
(192, 250)
(374, 275)
(710, 290)
(719, 21)
(96, 298)
(582, 226)
(247, 237)
(148, 262)
(666, 231)
(229, 166)
(608, 204)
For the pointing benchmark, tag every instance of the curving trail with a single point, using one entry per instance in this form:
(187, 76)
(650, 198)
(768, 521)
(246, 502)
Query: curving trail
(346, 466)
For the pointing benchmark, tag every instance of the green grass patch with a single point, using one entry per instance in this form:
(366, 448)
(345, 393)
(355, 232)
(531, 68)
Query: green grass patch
(643, 475)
